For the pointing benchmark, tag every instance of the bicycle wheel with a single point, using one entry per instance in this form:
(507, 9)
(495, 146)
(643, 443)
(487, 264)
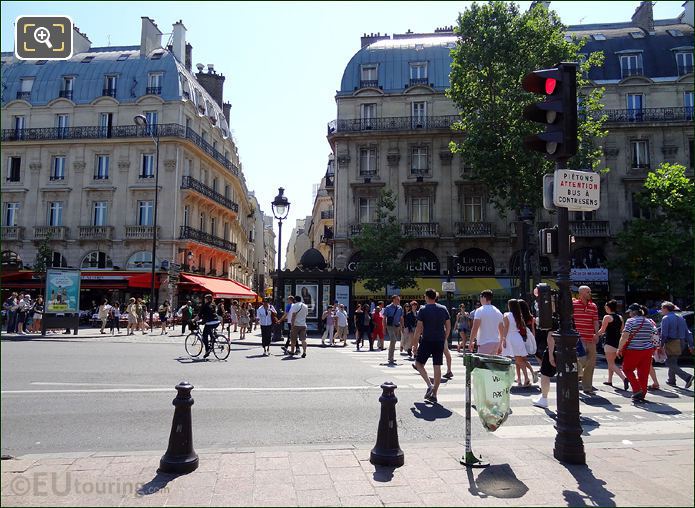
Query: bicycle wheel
(194, 344)
(221, 348)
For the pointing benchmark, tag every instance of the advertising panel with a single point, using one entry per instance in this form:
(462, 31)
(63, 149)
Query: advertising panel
(62, 291)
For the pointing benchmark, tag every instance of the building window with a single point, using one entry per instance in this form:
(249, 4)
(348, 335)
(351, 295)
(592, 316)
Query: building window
(186, 215)
(57, 168)
(101, 172)
(685, 63)
(367, 210)
(14, 165)
(214, 184)
(110, 86)
(635, 107)
(203, 221)
(419, 209)
(213, 226)
(204, 176)
(418, 73)
(369, 76)
(105, 124)
(97, 261)
(68, 87)
(631, 65)
(419, 114)
(639, 211)
(62, 124)
(584, 216)
(688, 104)
(58, 260)
(640, 154)
(225, 231)
(368, 161)
(204, 136)
(147, 170)
(11, 214)
(187, 165)
(145, 213)
(226, 192)
(368, 115)
(18, 122)
(472, 208)
(141, 260)
(152, 121)
(55, 213)
(99, 215)
(26, 84)
(154, 83)
(419, 160)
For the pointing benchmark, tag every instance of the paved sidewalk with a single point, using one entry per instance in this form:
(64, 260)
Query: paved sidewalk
(647, 473)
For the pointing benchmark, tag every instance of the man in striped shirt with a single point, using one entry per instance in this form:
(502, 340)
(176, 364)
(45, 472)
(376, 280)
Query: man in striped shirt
(587, 325)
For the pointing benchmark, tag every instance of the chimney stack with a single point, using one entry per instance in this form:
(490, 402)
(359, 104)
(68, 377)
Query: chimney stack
(687, 14)
(189, 57)
(644, 17)
(179, 41)
(150, 37)
(212, 82)
(366, 40)
(226, 109)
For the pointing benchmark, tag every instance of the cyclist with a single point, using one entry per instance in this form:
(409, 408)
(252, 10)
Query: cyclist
(208, 316)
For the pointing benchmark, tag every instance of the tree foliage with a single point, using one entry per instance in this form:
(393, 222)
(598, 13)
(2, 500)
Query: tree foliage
(498, 45)
(381, 246)
(44, 255)
(657, 253)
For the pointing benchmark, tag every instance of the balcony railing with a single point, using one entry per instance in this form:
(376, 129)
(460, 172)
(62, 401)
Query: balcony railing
(188, 182)
(474, 229)
(396, 123)
(66, 94)
(674, 114)
(590, 228)
(368, 172)
(327, 214)
(139, 232)
(355, 229)
(153, 90)
(54, 232)
(122, 131)
(421, 229)
(188, 233)
(419, 81)
(369, 83)
(96, 232)
(24, 95)
(109, 92)
(8, 233)
(635, 71)
(419, 171)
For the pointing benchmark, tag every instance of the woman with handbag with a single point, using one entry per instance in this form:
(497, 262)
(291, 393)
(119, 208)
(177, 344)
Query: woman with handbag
(612, 326)
(636, 348)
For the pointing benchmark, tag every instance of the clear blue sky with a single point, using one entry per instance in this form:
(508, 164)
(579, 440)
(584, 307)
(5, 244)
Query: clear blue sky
(283, 62)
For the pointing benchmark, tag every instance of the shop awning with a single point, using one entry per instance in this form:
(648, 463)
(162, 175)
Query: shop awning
(220, 288)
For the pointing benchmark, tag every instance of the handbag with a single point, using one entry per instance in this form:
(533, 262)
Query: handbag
(531, 345)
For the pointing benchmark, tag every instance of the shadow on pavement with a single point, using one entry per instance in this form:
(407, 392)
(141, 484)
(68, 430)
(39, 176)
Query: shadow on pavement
(188, 359)
(430, 413)
(160, 481)
(496, 481)
(657, 407)
(598, 401)
(663, 393)
(383, 474)
(256, 356)
(591, 490)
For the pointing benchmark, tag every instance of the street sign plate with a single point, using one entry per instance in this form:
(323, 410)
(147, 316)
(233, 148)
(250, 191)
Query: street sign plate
(577, 190)
(449, 286)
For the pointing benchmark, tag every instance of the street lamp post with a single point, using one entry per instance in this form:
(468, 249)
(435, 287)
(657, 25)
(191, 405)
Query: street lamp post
(450, 261)
(281, 208)
(526, 217)
(153, 131)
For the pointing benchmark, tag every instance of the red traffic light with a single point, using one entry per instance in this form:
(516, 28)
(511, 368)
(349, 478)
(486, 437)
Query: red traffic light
(542, 82)
(550, 85)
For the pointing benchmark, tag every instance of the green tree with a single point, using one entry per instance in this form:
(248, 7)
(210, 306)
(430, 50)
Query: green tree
(44, 255)
(657, 253)
(498, 45)
(381, 244)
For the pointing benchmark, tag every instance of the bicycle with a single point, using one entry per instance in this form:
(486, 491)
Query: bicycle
(219, 344)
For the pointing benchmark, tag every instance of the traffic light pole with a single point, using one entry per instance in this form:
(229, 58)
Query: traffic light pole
(569, 446)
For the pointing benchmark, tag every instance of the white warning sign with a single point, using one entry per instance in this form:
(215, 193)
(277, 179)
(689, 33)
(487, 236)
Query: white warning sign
(577, 190)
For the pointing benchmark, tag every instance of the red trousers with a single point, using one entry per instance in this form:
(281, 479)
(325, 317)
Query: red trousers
(640, 360)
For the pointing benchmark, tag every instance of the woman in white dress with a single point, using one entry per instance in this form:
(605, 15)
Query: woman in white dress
(513, 343)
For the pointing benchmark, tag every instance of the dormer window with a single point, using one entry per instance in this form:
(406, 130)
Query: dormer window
(154, 83)
(88, 59)
(124, 56)
(675, 33)
(637, 35)
(631, 65)
(418, 73)
(68, 86)
(110, 85)
(157, 56)
(26, 84)
(369, 76)
(599, 37)
(684, 60)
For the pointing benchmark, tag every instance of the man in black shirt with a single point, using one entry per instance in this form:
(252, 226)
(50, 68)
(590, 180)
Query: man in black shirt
(434, 325)
(210, 319)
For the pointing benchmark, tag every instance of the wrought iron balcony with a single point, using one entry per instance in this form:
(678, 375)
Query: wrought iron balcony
(52, 232)
(9, 233)
(368, 172)
(140, 232)
(474, 229)
(109, 92)
(66, 94)
(419, 171)
(25, 96)
(369, 83)
(590, 228)
(421, 229)
(327, 214)
(396, 123)
(355, 229)
(188, 182)
(122, 131)
(419, 81)
(96, 232)
(153, 90)
(674, 114)
(188, 233)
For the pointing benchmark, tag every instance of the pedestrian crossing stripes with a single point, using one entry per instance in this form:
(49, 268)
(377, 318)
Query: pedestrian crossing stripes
(672, 409)
(622, 428)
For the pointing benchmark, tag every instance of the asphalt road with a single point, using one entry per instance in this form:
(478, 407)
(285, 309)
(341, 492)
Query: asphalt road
(100, 395)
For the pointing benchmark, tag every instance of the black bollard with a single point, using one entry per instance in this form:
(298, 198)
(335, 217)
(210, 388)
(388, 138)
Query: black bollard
(180, 458)
(387, 452)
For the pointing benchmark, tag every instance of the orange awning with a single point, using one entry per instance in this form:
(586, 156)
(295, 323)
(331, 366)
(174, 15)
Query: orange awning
(220, 288)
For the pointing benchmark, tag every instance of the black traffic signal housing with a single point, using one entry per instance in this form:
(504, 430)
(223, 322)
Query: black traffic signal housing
(558, 111)
(544, 300)
(547, 241)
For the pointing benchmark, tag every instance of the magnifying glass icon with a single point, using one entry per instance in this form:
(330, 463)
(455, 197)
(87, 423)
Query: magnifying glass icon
(43, 36)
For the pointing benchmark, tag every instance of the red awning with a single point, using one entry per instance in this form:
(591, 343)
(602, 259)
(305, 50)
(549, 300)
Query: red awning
(143, 280)
(220, 288)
